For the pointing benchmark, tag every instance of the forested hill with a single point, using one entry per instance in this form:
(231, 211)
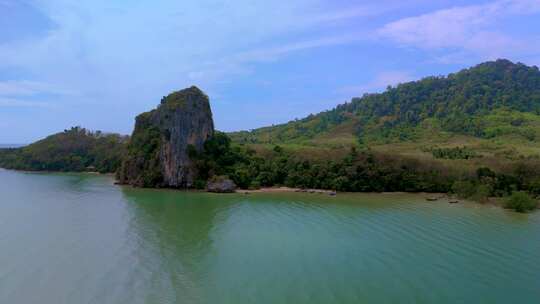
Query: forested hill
(492, 99)
(76, 149)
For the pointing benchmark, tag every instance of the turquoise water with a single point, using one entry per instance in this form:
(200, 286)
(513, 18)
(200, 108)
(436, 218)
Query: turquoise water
(71, 238)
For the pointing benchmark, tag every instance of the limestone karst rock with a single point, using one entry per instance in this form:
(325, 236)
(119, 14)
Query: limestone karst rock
(158, 153)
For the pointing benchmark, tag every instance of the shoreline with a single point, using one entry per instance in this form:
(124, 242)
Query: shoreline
(437, 195)
(285, 189)
(428, 196)
(432, 197)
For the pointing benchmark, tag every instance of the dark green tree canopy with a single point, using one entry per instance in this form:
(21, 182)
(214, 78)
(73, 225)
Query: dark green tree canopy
(458, 103)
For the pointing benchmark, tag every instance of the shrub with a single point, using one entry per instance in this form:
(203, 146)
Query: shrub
(463, 189)
(199, 184)
(481, 194)
(534, 187)
(454, 153)
(520, 201)
(241, 177)
(255, 185)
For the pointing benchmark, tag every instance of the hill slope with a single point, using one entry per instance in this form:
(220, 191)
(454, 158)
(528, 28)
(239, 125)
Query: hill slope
(489, 104)
(76, 149)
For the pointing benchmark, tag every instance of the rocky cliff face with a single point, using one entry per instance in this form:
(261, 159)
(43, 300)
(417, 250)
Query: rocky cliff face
(158, 154)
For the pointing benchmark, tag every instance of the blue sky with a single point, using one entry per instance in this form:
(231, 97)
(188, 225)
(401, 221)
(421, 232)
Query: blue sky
(98, 63)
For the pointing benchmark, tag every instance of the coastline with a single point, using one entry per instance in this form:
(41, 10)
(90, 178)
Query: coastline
(435, 197)
(432, 197)
(285, 189)
(438, 195)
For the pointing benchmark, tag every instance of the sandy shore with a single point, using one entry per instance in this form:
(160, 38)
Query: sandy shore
(431, 197)
(428, 196)
(286, 189)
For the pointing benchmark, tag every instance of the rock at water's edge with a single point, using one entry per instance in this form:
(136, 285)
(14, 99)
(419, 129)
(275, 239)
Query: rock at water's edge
(221, 185)
(158, 153)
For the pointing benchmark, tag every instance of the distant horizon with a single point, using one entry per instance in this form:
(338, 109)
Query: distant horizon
(8, 145)
(98, 64)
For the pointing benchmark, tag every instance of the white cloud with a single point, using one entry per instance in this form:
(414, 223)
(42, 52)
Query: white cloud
(464, 29)
(272, 52)
(238, 63)
(380, 82)
(349, 13)
(30, 88)
(17, 103)
(104, 50)
(519, 6)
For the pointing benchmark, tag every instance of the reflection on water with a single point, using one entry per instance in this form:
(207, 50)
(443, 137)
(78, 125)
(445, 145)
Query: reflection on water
(172, 232)
(72, 238)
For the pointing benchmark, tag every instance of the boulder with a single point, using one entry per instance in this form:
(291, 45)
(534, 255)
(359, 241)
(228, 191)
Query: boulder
(221, 184)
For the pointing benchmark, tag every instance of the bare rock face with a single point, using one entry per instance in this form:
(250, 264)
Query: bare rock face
(220, 184)
(158, 153)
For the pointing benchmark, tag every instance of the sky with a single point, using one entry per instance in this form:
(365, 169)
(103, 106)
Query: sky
(99, 63)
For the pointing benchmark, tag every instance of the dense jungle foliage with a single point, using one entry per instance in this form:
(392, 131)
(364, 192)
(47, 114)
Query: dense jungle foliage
(143, 154)
(358, 171)
(465, 103)
(76, 150)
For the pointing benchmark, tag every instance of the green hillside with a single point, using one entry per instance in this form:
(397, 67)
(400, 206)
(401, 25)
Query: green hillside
(492, 108)
(74, 150)
(475, 133)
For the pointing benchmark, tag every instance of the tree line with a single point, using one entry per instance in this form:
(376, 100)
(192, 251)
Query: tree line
(359, 171)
